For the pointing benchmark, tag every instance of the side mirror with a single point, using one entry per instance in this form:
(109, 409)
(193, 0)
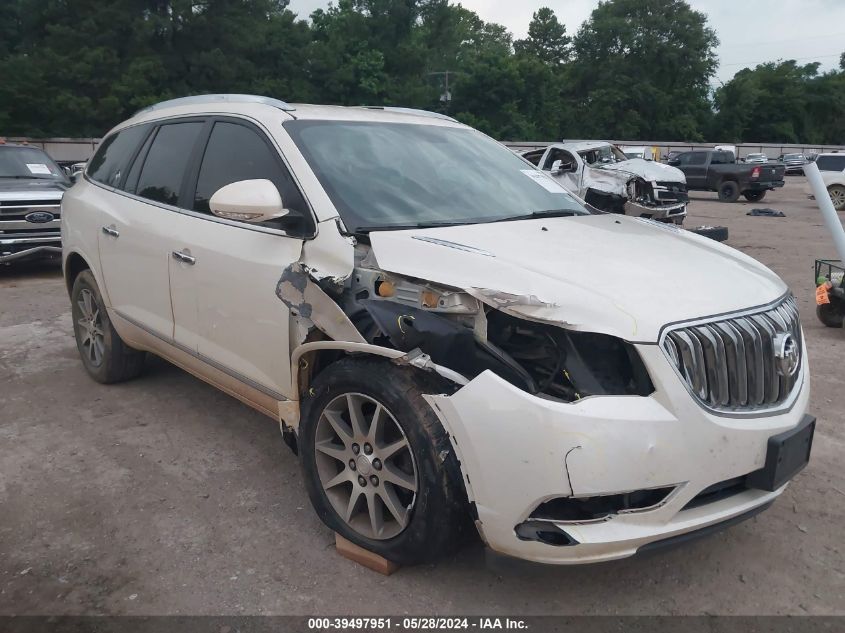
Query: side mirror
(248, 201)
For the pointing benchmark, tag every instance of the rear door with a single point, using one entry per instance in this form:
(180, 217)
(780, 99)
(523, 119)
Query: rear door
(224, 282)
(139, 226)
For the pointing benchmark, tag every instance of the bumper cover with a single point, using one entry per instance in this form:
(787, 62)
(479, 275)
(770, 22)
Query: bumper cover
(18, 248)
(518, 450)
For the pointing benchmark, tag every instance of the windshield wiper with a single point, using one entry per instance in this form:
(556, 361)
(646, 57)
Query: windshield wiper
(548, 213)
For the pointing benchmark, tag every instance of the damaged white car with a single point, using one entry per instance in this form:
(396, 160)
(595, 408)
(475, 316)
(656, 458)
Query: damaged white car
(606, 178)
(445, 335)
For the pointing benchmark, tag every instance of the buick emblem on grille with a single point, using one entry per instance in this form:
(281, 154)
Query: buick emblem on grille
(786, 354)
(39, 217)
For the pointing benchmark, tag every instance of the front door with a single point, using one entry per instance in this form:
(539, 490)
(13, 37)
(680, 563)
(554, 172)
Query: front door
(224, 273)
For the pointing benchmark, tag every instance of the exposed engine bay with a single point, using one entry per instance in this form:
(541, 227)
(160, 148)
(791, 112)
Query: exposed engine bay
(462, 333)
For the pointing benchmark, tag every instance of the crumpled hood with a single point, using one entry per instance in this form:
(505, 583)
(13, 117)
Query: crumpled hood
(646, 169)
(602, 273)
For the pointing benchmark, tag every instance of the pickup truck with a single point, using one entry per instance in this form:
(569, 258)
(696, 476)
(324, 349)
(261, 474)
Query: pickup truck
(604, 177)
(710, 170)
(31, 190)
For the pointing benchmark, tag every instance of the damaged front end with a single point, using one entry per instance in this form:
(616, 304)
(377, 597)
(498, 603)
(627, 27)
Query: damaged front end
(475, 330)
(617, 191)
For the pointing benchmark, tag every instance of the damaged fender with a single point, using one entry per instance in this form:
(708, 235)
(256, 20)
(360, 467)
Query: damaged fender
(310, 305)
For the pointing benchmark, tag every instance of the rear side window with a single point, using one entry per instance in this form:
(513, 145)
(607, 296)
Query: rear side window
(163, 172)
(237, 152)
(114, 153)
(831, 163)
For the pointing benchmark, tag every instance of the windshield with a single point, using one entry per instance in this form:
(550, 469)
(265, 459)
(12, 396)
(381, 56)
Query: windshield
(603, 154)
(396, 175)
(28, 162)
(633, 154)
(794, 157)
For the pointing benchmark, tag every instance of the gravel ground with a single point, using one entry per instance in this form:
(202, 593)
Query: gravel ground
(164, 496)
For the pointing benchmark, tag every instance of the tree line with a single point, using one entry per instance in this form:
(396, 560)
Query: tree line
(636, 69)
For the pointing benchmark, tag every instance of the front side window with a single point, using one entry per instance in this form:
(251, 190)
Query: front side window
(392, 175)
(110, 161)
(164, 167)
(692, 158)
(831, 163)
(237, 152)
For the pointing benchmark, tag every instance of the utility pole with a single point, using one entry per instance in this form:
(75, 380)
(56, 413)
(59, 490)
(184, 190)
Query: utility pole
(446, 97)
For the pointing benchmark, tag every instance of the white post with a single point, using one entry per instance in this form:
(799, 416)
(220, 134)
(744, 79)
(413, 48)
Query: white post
(831, 219)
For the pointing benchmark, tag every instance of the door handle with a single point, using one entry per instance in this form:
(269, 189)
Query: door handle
(110, 230)
(184, 257)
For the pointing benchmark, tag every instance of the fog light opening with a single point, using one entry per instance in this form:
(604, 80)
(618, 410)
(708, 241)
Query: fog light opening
(543, 532)
(599, 507)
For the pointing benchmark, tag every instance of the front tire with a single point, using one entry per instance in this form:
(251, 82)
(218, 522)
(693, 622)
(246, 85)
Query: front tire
(754, 196)
(378, 465)
(104, 355)
(729, 191)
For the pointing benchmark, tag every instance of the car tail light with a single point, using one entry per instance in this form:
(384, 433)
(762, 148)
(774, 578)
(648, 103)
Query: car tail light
(755, 173)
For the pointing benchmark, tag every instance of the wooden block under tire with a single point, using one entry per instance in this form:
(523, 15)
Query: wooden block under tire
(364, 557)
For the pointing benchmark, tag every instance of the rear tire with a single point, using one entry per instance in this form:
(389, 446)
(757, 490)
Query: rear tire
(104, 355)
(837, 196)
(729, 191)
(433, 519)
(754, 196)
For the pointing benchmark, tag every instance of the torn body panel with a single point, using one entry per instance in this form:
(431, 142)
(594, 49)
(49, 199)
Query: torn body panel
(310, 305)
(600, 447)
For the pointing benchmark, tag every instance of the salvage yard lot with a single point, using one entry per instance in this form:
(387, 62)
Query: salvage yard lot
(165, 496)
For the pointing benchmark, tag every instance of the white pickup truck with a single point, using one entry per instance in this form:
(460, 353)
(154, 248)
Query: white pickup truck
(606, 178)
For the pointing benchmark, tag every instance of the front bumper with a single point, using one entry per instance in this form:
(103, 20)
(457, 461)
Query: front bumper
(20, 248)
(518, 450)
(669, 211)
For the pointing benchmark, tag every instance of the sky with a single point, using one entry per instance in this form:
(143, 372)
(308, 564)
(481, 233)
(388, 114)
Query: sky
(750, 31)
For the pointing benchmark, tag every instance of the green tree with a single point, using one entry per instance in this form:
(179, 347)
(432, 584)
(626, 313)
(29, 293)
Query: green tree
(547, 39)
(641, 71)
(781, 102)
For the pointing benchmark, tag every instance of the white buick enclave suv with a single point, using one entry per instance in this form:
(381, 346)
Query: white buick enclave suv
(444, 334)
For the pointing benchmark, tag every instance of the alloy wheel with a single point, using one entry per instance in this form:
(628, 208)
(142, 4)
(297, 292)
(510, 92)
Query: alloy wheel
(837, 197)
(365, 465)
(91, 328)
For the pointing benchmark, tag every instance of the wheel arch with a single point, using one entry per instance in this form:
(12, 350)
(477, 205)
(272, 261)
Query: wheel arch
(74, 264)
(312, 358)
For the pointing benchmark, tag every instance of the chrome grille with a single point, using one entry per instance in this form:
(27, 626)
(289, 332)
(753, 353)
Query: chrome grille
(729, 364)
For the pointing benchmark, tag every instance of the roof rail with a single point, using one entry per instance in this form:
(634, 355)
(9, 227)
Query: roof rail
(219, 98)
(418, 112)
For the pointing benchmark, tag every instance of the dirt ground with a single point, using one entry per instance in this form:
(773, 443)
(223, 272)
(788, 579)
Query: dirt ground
(164, 496)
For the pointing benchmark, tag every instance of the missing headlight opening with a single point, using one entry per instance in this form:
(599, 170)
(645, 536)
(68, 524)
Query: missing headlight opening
(468, 336)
